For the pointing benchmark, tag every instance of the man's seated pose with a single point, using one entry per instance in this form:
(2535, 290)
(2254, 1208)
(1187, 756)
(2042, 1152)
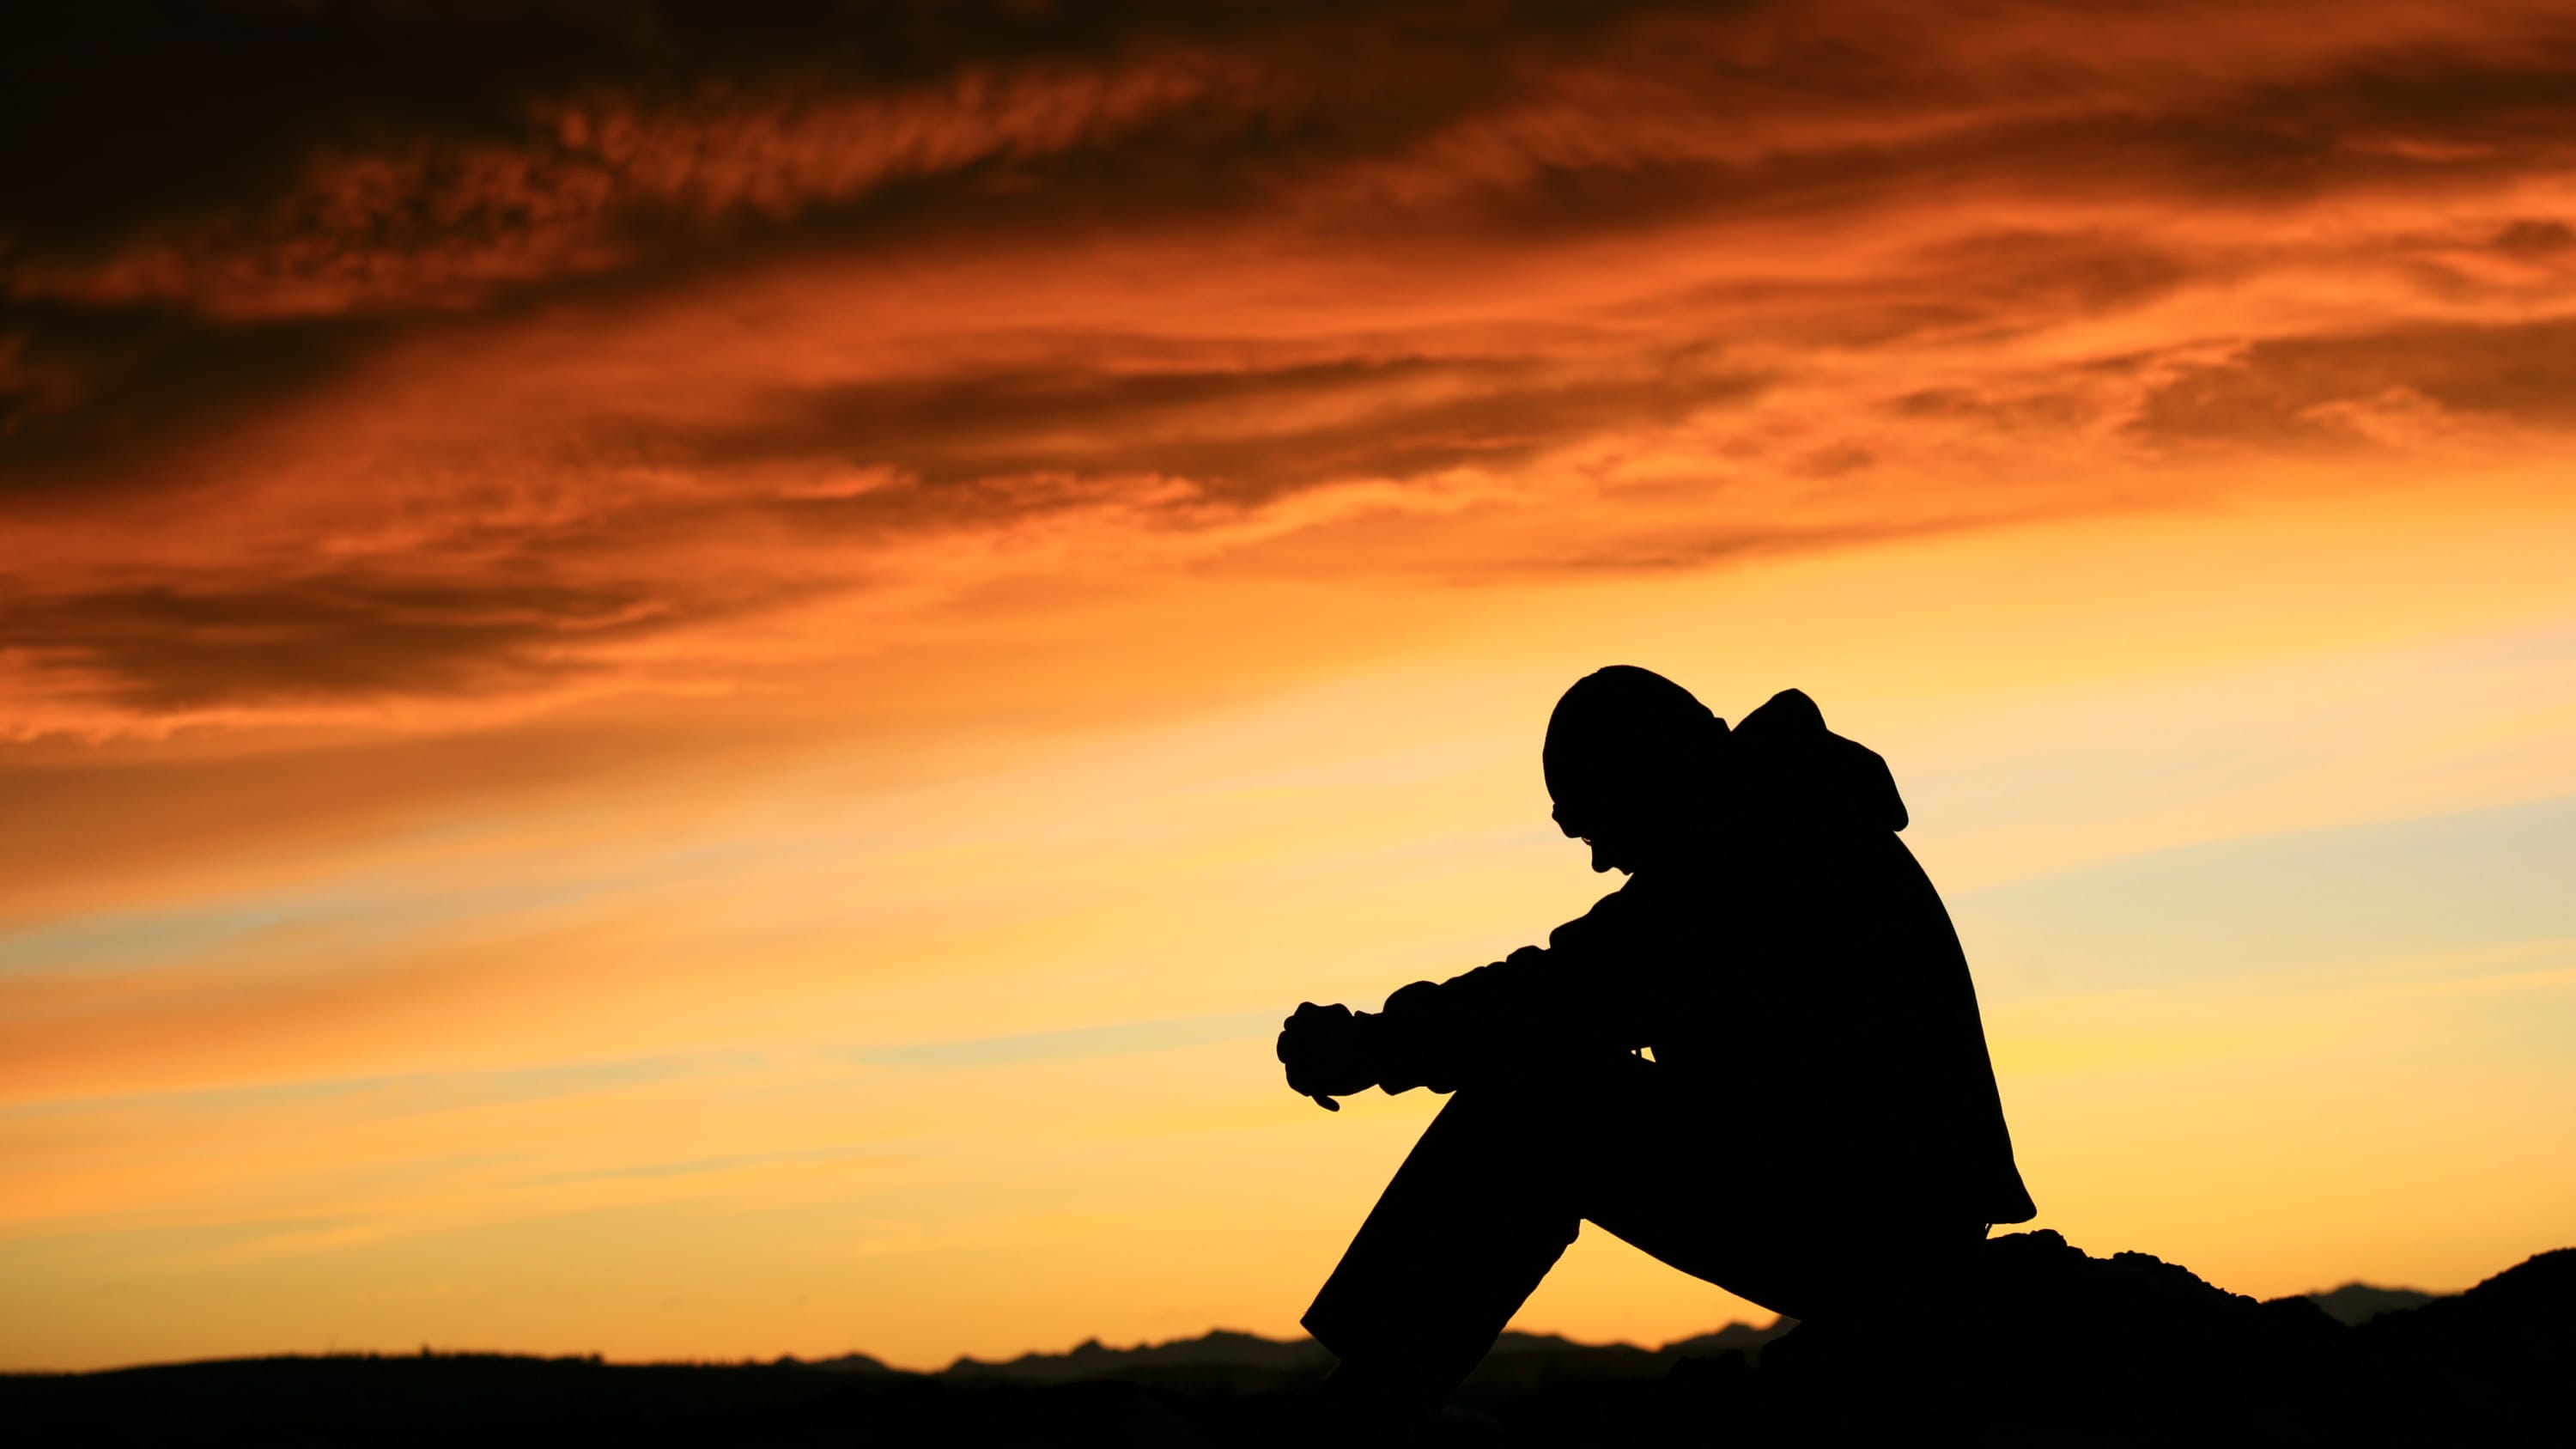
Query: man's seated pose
(1815, 1121)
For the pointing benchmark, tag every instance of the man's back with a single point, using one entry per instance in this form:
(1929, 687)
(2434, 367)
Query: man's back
(1851, 1017)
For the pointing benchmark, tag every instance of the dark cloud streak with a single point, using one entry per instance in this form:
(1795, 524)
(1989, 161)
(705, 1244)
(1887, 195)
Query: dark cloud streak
(167, 648)
(108, 395)
(2294, 392)
(1242, 435)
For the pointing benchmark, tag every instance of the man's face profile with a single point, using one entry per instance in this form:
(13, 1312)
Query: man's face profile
(1605, 830)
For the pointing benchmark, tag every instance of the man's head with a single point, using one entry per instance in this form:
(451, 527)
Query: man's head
(1630, 758)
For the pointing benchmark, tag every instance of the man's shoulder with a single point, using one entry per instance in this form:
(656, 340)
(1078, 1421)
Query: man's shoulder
(1610, 913)
(1646, 898)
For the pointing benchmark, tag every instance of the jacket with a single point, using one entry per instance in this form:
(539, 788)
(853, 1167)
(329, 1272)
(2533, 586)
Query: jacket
(1795, 976)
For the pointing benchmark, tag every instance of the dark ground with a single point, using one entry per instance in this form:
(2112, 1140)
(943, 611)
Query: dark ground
(2062, 1349)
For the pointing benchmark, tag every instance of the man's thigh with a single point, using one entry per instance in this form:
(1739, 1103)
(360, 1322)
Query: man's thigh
(1658, 1169)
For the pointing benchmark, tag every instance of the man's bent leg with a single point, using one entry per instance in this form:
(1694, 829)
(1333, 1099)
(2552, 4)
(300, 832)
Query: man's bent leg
(1481, 1209)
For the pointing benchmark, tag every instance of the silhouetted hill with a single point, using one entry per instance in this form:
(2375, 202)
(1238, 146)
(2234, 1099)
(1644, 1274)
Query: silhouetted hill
(848, 1363)
(2049, 1346)
(1227, 1349)
(1738, 1336)
(2355, 1304)
(2498, 1360)
(2058, 1346)
(1222, 1349)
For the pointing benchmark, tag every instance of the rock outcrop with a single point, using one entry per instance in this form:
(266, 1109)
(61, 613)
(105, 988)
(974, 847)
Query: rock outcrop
(2056, 1346)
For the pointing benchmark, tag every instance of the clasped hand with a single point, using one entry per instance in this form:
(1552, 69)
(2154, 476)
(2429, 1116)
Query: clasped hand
(1324, 1049)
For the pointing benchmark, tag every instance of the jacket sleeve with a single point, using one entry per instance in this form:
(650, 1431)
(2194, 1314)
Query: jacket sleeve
(1584, 994)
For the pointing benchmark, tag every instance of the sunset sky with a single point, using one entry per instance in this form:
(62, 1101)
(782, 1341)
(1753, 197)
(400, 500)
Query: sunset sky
(694, 681)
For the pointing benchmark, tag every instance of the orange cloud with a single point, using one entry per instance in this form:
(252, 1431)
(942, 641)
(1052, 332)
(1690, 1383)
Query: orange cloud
(557, 381)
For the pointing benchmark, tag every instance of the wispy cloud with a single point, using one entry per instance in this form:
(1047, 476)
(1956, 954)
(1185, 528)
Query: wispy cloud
(1117, 1039)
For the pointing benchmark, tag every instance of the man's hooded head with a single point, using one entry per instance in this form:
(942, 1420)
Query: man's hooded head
(1625, 749)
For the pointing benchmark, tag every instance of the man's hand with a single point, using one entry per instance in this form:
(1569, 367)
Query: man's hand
(1325, 1051)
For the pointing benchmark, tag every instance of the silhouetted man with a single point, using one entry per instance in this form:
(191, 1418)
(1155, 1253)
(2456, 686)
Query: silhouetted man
(1817, 1118)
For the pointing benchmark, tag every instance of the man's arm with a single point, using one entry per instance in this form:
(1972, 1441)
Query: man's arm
(1585, 993)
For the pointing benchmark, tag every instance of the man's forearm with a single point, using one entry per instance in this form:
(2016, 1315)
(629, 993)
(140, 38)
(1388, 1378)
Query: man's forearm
(1442, 1035)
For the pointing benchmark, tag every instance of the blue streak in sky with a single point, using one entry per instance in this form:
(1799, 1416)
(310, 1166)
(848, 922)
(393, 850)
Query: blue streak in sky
(1117, 1039)
(2348, 894)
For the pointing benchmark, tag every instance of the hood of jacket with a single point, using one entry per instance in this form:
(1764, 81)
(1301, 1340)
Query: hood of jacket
(1784, 761)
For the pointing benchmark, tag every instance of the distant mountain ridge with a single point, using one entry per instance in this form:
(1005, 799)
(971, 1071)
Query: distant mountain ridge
(1232, 1349)
(2351, 1305)
(2355, 1304)
(1219, 1348)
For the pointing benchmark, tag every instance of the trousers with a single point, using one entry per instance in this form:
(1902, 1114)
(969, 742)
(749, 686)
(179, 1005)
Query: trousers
(1505, 1176)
